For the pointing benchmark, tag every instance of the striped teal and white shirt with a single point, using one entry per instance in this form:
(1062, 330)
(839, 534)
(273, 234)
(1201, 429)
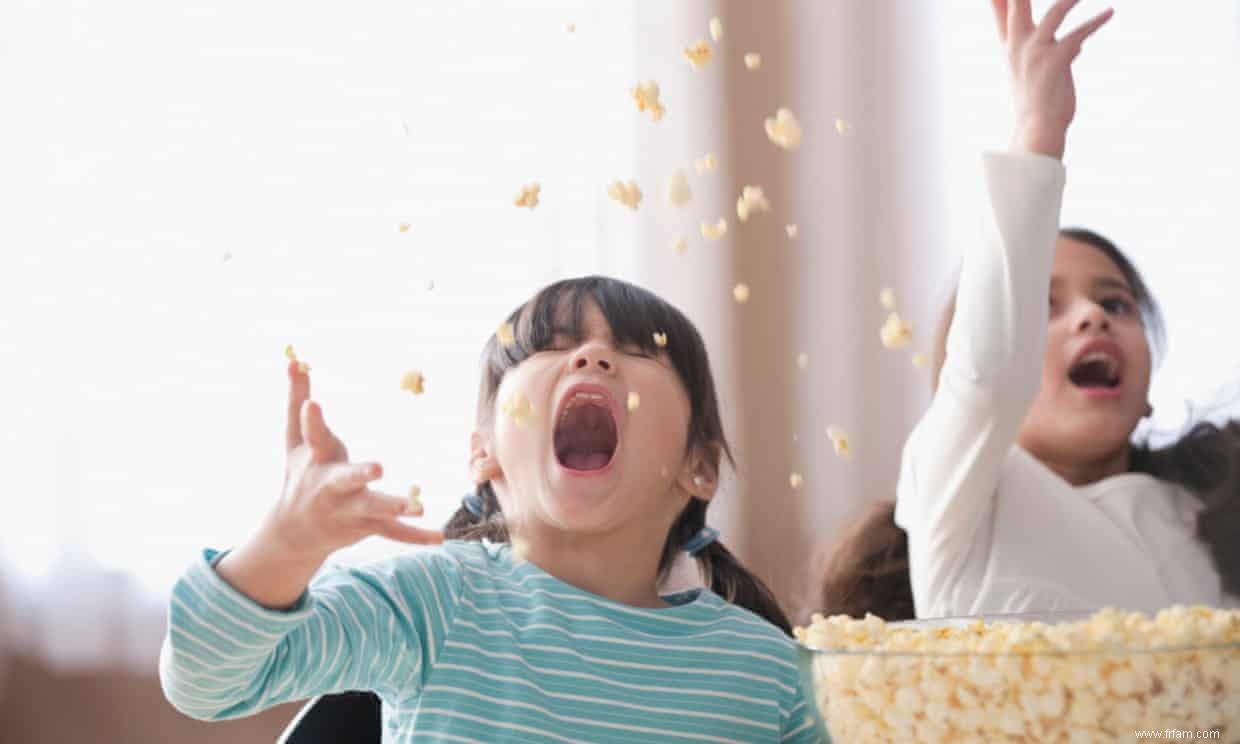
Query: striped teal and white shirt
(464, 644)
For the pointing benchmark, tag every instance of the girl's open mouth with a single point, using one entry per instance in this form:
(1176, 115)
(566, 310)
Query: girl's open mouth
(586, 436)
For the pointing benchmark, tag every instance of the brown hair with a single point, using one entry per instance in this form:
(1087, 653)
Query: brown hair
(868, 571)
(1205, 459)
(634, 315)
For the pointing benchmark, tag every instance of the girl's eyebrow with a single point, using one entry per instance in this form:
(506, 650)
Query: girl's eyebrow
(1106, 282)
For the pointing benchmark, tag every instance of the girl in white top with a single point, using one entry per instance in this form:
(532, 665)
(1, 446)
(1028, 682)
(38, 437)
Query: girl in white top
(1020, 489)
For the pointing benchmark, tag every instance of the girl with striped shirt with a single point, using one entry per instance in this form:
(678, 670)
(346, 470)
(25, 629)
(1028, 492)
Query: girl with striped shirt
(597, 450)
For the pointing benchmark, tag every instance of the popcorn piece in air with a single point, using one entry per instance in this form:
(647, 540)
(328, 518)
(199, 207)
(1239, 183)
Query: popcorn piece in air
(840, 441)
(627, 194)
(784, 130)
(751, 200)
(647, 97)
(413, 381)
(895, 333)
(678, 193)
(505, 335)
(741, 293)
(634, 401)
(715, 231)
(528, 197)
(753, 61)
(706, 163)
(414, 506)
(660, 339)
(698, 55)
(716, 29)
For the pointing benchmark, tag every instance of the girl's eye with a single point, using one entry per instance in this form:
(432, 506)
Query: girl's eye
(1116, 305)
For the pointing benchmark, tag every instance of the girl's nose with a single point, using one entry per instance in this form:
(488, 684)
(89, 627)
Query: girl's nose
(594, 356)
(1093, 316)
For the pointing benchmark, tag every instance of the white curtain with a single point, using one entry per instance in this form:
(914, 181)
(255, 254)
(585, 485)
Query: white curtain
(189, 188)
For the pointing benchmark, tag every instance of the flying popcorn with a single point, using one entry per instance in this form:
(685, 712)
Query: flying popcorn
(698, 55)
(404, 227)
(753, 61)
(715, 231)
(751, 200)
(843, 127)
(660, 339)
(678, 193)
(647, 97)
(741, 293)
(414, 507)
(528, 197)
(627, 194)
(840, 441)
(706, 163)
(413, 381)
(634, 401)
(784, 130)
(802, 360)
(518, 408)
(679, 246)
(571, 27)
(895, 333)
(520, 549)
(795, 480)
(505, 335)
(887, 298)
(792, 231)
(292, 357)
(920, 360)
(716, 29)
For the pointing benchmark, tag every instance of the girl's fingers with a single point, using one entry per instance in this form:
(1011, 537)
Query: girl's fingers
(1073, 41)
(351, 477)
(394, 529)
(1054, 19)
(372, 505)
(324, 446)
(1020, 19)
(1001, 17)
(298, 393)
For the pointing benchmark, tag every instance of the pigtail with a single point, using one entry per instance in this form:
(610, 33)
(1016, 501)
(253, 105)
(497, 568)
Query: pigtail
(720, 570)
(1206, 460)
(487, 524)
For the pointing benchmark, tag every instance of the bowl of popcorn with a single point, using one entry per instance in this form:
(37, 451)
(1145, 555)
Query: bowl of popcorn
(1059, 677)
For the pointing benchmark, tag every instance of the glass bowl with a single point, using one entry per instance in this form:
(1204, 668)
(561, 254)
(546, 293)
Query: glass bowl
(1045, 677)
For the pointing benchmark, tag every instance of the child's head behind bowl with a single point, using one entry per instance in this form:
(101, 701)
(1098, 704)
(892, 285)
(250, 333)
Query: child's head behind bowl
(623, 435)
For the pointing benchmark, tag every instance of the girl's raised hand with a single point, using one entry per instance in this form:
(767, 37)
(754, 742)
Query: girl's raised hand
(326, 502)
(1041, 67)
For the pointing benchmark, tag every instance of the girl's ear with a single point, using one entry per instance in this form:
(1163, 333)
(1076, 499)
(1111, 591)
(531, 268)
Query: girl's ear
(483, 464)
(699, 476)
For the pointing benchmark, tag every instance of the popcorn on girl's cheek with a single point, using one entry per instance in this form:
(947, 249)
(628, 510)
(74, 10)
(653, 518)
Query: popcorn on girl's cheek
(518, 408)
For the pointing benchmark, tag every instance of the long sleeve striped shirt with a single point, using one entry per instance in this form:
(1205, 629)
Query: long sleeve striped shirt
(464, 644)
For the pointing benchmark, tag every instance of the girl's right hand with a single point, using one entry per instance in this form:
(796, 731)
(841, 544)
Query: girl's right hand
(1041, 68)
(326, 503)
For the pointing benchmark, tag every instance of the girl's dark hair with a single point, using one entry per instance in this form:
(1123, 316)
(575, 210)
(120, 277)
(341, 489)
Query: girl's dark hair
(868, 572)
(634, 316)
(1206, 459)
